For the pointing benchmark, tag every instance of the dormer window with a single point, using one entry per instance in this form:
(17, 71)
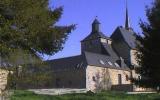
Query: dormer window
(110, 63)
(116, 65)
(106, 41)
(109, 41)
(103, 40)
(102, 62)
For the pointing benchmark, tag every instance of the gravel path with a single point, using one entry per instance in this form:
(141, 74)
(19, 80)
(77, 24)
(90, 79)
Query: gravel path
(57, 91)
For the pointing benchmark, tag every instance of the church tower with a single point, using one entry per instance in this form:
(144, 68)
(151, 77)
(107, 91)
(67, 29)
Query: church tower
(94, 41)
(124, 40)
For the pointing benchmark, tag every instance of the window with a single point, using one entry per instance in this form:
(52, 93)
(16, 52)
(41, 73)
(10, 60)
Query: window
(103, 40)
(139, 77)
(109, 41)
(110, 63)
(119, 79)
(93, 78)
(102, 62)
(116, 65)
(127, 78)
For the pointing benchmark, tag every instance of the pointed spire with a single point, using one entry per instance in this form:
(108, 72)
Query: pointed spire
(127, 22)
(95, 25)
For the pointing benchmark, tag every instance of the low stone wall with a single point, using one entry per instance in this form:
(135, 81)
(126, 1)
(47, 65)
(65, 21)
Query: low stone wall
(141, 89)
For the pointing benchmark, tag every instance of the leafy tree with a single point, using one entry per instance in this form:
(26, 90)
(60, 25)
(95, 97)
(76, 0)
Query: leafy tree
(149, 48)
(30, 25)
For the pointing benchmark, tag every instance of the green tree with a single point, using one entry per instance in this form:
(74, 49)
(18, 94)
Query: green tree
(149, 48)
(30, 25)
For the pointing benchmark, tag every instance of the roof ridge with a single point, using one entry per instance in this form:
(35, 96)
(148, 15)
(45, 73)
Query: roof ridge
(65, 57)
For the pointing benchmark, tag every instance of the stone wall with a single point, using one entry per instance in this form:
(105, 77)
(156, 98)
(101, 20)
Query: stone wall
(69, 79)
(124, 74)
(3, 79)
(96, 76)
(133, 57)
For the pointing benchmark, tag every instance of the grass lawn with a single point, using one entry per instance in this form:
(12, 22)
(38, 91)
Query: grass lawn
(26, 95)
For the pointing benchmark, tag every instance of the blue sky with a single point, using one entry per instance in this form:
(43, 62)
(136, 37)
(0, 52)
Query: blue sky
(111, 13)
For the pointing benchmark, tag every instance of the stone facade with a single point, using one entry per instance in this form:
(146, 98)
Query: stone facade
(133, 57)
(3, 79)
(98, 77)
(92, 45)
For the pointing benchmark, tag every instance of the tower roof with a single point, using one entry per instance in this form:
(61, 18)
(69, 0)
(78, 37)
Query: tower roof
(95, 32)
(127, 21)
(95, 26)
(96, 21)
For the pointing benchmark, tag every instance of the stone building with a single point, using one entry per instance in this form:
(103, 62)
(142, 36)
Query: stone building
(104, 62)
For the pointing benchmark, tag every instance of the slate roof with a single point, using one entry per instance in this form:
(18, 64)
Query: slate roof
(96, 59)
(87, 58)
(110, 50)
(73, 62)
(96, 21)
(95, 32)
(95, 36)
(127, 35)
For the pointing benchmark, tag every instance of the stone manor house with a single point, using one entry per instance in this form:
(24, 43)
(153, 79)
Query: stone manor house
(104, 62)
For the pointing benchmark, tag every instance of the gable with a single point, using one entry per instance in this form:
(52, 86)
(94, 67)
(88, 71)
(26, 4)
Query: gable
(127, 36)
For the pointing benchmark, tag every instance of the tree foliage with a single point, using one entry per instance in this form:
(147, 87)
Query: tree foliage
(149, 48)
(31, 25)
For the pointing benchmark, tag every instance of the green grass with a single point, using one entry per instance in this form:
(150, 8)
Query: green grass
(26, 95)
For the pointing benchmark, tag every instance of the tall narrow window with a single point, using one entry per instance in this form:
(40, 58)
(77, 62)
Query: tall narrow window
(119, 79)
(127, 78)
